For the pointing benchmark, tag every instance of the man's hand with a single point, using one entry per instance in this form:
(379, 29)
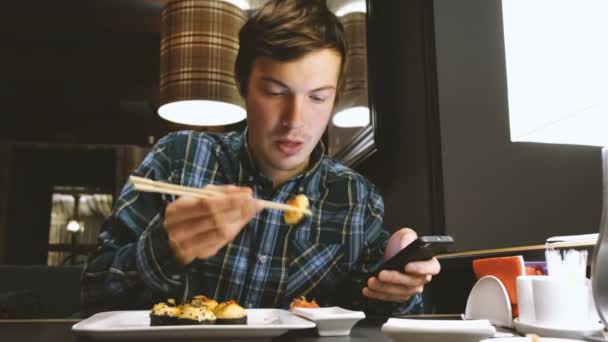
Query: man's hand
(394, 286)
(200, 227)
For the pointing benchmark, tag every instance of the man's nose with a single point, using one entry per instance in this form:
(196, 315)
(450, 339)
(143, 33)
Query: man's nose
(293, 112)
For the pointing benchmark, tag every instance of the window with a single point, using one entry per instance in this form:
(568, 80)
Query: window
(77, 214)
(557, 70)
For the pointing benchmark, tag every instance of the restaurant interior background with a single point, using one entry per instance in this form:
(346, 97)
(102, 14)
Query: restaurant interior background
(79, 91)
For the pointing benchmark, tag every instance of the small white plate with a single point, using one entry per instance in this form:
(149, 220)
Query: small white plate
(527, 339)
(563, 332)
(433, 330)
(332, 321)
(261, 323)
(489, 300)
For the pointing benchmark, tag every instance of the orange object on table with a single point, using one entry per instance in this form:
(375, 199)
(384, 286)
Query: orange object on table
(506, 269)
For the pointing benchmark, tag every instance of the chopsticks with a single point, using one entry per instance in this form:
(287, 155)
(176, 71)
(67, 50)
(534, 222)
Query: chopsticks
(149, 185)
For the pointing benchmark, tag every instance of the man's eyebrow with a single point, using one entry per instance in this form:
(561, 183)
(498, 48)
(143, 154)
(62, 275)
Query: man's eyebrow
(272, 80)
(327, 87)
(279, 83)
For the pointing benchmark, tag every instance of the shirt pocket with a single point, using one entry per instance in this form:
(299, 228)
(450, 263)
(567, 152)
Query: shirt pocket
(315, 270)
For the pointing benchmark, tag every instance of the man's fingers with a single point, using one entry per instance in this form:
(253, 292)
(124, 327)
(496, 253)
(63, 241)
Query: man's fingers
(398, 241)
(401, 279)
(431, 267)
(203, 237)
(187, 207)
(203, 247)
(408, 236)
(228, 188)
(393, 289)
(208, 245)
(200, 227)
(370, 293)
(182, 209)
(187, 229)
(231, 201)
(428, 278)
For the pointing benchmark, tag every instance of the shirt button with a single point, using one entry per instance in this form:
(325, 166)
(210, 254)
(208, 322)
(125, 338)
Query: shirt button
(301, 189)
(263, 258)
(250, 305)
(250, 178)
(176, 277)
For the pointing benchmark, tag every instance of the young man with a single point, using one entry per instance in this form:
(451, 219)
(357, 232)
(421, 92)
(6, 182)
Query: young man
(156, 246)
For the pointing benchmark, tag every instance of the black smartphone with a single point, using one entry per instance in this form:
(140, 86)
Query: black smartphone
(423, 248)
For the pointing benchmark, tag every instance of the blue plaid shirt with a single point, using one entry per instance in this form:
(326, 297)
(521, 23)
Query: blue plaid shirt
(325, 256)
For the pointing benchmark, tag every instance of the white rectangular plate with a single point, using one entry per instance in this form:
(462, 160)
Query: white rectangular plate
(261, 323)
(332, 321)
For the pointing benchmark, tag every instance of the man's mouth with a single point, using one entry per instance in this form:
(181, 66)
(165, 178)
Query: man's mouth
(289, 147)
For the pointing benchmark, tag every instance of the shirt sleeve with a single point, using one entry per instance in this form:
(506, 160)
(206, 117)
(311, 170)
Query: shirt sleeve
(133, 264)
(375, 240)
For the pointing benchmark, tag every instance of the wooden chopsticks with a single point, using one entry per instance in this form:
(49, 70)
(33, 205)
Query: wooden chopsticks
(148, 185)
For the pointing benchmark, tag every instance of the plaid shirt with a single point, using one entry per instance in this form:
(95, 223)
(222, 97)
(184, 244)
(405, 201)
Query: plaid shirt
(269, 263)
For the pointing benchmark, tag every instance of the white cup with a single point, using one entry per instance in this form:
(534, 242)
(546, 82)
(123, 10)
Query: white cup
(560, 301)
(525, 298)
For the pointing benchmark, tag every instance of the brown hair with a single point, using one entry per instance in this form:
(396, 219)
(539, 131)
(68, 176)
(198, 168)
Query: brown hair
(285, 30)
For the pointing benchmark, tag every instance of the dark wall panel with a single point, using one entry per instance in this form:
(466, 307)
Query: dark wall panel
(407, 166)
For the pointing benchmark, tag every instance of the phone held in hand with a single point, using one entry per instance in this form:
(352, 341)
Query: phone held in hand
(423, 248)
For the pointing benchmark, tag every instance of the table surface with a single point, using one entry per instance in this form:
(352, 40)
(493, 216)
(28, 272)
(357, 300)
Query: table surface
(59, 330)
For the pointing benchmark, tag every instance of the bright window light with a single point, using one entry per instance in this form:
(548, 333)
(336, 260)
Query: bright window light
(73, 226)
(352, 7)
(242, 4)
(557, 70)
(202, 112)
(352, 117)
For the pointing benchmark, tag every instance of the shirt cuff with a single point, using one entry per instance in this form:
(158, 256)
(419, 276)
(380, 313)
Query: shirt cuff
(410, 307)
(156, 262)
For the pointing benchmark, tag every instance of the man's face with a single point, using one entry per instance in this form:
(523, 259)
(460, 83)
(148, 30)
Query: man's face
(288, 107)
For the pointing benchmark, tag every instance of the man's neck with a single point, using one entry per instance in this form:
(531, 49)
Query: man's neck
(280, 177)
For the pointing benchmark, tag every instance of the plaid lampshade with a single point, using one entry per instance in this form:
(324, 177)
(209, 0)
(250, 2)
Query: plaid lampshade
(198, 48)
(352, 108)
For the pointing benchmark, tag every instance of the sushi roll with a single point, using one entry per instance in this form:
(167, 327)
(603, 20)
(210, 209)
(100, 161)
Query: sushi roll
(165, 313)
(230, 313)
(192, 315)
(210, 303)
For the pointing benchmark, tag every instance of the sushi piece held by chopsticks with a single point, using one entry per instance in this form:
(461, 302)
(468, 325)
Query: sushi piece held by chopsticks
(299, 201)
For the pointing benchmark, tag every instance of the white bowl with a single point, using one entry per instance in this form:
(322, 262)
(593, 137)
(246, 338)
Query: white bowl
(332, 321)
(527, 339)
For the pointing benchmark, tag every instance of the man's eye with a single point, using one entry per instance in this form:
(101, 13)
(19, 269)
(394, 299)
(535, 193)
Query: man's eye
(317, 99)
(275, 93)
